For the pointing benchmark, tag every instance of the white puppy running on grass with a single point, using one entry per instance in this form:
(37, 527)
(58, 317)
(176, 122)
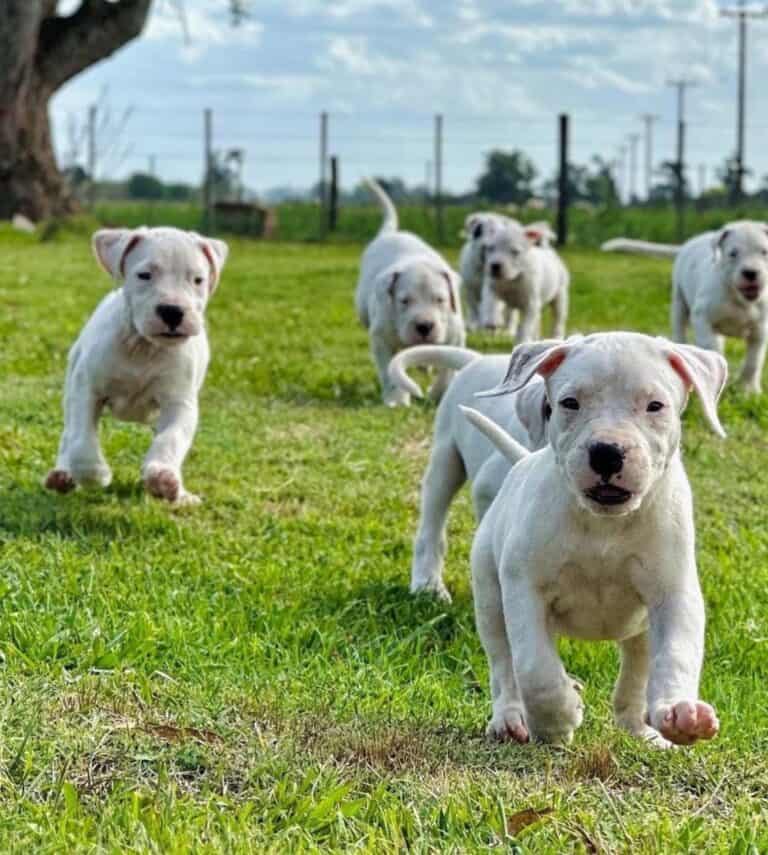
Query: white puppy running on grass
(459, 452)
(522, 272)
(142, 354)
(593, 537)
(407, 294)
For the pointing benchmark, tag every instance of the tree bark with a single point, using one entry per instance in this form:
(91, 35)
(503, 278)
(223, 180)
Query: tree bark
(39, 52)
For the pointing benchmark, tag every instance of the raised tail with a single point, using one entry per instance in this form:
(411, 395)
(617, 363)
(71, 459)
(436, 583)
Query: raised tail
(641, 247)
(509, 447)
(391, 222)
(442, 355)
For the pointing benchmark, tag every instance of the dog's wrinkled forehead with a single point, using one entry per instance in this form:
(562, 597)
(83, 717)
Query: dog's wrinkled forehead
(512, 238)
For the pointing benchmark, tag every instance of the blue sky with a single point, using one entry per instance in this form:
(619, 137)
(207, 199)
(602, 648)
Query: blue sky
(499, 70)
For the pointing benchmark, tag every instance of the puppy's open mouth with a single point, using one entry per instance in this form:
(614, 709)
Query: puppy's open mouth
(750, 292)
(172, 335)
(608, 494)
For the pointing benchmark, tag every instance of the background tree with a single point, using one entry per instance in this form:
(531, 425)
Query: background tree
(40, 51)
(508, 178)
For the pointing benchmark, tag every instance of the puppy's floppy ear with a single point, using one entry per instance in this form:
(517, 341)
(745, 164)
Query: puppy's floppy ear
(533, 410)
(717, 243)
(705, 371)
(215, 252)
(393, 284)
(112, 246)
(540, 233)
(451, 290)
(537, 357)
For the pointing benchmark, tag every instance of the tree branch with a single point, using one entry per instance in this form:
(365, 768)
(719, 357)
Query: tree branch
(69, 45)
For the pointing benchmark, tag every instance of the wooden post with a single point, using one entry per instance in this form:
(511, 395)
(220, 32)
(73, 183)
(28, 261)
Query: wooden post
(92, 156)
(333, 199)
(208, 223)
(323, 189)
(439, 178)
(563, 200)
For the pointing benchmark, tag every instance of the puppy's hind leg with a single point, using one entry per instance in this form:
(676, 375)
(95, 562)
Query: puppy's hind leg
(507, 719)
(444, 476)
(560, 313)
(680, 316)
(629, 700)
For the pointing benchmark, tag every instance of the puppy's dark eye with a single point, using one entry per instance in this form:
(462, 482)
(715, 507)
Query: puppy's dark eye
(734, 253)
(199, 280)
(146, 276)
(570, 403)
(405, 301)
(654, 407)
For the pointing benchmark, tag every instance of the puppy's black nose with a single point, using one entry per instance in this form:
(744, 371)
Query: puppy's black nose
(170, 315)
(606, 459)
(424, 328)
(496, 269)
(749, 274)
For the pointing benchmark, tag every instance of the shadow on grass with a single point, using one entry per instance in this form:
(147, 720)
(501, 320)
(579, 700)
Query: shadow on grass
(31, 512)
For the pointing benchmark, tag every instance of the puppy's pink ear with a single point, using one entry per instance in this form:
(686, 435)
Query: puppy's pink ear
(215, 252)
(112, 246)
(705, 371)
(537, 357)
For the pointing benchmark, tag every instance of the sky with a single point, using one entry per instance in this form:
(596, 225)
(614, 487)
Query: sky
(499, 71)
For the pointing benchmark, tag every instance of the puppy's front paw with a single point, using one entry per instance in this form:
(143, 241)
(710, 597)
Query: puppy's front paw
(163, 483)
(397, 398)
(432, 588)
(508, 725)
(686, 722)
(60, 481)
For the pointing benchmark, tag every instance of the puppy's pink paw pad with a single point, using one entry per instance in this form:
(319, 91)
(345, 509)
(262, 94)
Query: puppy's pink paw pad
(688, 721)
(508, 727)
(163, 484)
(60, 481)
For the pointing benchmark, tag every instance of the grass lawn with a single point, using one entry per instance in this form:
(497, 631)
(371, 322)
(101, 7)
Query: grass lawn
(253, 676)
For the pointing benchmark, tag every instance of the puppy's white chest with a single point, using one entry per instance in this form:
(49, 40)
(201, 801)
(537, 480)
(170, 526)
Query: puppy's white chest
(595, 602)
(132, 400)
(736, 320)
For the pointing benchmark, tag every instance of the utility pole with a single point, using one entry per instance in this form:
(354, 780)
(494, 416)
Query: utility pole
(563, 195)
(633, 140)
(681, 85)
(649, 119)
(92, 112)
(323, 172)
(439, 177)
(621, 178)
(742, 14)
(702, 178)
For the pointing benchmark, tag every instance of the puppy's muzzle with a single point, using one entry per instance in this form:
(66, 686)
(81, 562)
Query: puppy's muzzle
(606, 460)
(750, 287)
(496, 270)
(424, 329)
(172, 316)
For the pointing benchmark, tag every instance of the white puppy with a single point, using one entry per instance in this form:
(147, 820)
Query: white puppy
(523, 272)
(407, 294)
(478, 228)
(143, 354)
(459, 452)
(720, 286)
(593, 537)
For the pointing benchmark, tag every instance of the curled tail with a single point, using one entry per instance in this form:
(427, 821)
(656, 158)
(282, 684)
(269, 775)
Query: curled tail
(391, 222)
(441, 355)
(509, 447)
(641, 247)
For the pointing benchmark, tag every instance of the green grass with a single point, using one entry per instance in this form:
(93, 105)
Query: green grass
(300, 221)
(252, 675)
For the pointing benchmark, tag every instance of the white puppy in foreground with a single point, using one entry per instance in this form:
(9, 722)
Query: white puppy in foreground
(459, 452)
(720, 287)
(523, 272)
(407, 294)
(593, 537)
(143, 354)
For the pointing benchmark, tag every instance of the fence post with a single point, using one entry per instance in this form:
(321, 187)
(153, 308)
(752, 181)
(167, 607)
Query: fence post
(92, 156)
(439, 178)
(333, 200)
(323, 190)
(563, 200)
(208, 223)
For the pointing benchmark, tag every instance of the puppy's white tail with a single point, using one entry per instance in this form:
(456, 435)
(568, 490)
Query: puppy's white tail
(391, 221)
(641, 247)
(441, 355)
(509, 447)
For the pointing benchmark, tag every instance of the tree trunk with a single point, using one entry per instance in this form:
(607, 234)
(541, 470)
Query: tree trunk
(39, 52)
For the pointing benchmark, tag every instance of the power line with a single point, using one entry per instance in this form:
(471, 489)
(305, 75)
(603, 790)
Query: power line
(742, 14)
